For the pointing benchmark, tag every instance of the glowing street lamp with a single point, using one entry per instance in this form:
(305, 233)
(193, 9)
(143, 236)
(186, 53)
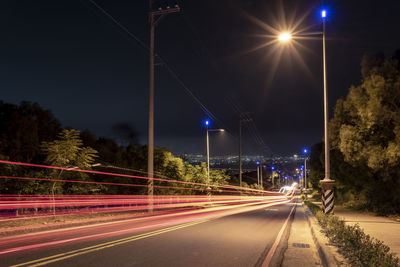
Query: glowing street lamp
(284, 37)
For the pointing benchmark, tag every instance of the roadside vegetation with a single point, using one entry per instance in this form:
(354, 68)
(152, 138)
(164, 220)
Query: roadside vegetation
(365, 140)
(357, 247)
(32, 134)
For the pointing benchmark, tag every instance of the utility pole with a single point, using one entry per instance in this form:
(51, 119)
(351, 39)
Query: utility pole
(261, 166)
(241, 120)
(154, 18)
(240, 152)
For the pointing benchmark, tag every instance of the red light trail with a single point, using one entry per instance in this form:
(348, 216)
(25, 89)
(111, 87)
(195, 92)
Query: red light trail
(26, 206)
(127, 176)
(64, 236)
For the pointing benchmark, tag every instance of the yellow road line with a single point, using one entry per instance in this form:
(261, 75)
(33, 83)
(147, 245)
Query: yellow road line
(73, 253)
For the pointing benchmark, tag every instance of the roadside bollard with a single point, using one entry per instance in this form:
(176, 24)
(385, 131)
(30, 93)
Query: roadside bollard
(328, 196)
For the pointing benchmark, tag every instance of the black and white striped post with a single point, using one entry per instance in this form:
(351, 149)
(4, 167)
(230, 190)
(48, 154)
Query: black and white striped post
(328, 196)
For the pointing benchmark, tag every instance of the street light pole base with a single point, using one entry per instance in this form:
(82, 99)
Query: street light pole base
(328, 195)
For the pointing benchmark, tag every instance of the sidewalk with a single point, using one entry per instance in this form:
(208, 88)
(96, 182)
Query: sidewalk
(381, 228)
(301, 249)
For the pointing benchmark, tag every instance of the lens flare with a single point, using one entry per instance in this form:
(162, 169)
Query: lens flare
(284, 37)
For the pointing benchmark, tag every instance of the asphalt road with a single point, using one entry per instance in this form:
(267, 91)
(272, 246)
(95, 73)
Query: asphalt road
(242, 239)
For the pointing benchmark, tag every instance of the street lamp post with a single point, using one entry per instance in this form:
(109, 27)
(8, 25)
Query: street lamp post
(326, 183)
(258, 172)
(207, 123)
(272, 176)
(305, 152)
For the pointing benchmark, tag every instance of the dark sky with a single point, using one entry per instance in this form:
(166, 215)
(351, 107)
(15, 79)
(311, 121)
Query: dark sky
(70, 58)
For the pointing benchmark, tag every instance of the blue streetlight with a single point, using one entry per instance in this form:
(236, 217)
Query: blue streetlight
(272, 168)
(305, 151)
(206, 122)
(323, 13)
(257, 162)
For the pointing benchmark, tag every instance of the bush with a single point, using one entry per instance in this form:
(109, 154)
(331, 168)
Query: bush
(357, 247)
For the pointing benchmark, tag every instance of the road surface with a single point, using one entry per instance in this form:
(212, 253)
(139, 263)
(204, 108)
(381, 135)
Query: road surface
(213, 238)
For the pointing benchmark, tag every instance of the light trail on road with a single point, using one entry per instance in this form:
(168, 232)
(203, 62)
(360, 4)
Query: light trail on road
(147, 223)
(22, 206)
(102, 236)
(244, 189)
(169, 213)
(36, 205)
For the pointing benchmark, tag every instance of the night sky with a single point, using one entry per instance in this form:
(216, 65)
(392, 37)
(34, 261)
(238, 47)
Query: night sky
(70, 58)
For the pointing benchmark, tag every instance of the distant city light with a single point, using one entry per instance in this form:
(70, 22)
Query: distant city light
(323, 13)
(257, 162)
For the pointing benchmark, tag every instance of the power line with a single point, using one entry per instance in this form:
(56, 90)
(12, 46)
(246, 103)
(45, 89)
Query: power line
(252, 128)
(163, 61)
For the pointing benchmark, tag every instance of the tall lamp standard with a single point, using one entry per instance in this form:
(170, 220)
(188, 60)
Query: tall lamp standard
(207, 123)
(327, 183)
(305, 152)
(258, 172)
(272, 176)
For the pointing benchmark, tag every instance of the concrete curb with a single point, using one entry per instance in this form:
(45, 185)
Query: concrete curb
(328, 254)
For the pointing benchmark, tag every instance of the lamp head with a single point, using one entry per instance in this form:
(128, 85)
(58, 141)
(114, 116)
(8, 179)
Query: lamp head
(207, 122)
(323, 13)
(284, 37)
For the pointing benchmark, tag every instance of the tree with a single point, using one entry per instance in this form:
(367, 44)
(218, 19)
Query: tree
(316, 165)
(68, 151)
(365, 135)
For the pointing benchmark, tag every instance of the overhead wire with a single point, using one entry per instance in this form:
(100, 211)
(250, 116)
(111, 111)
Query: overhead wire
(250, 125)
(163, 61)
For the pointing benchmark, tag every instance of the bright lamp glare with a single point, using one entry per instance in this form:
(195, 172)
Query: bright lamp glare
(284, 37)
(207, 122)
(323, 13)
